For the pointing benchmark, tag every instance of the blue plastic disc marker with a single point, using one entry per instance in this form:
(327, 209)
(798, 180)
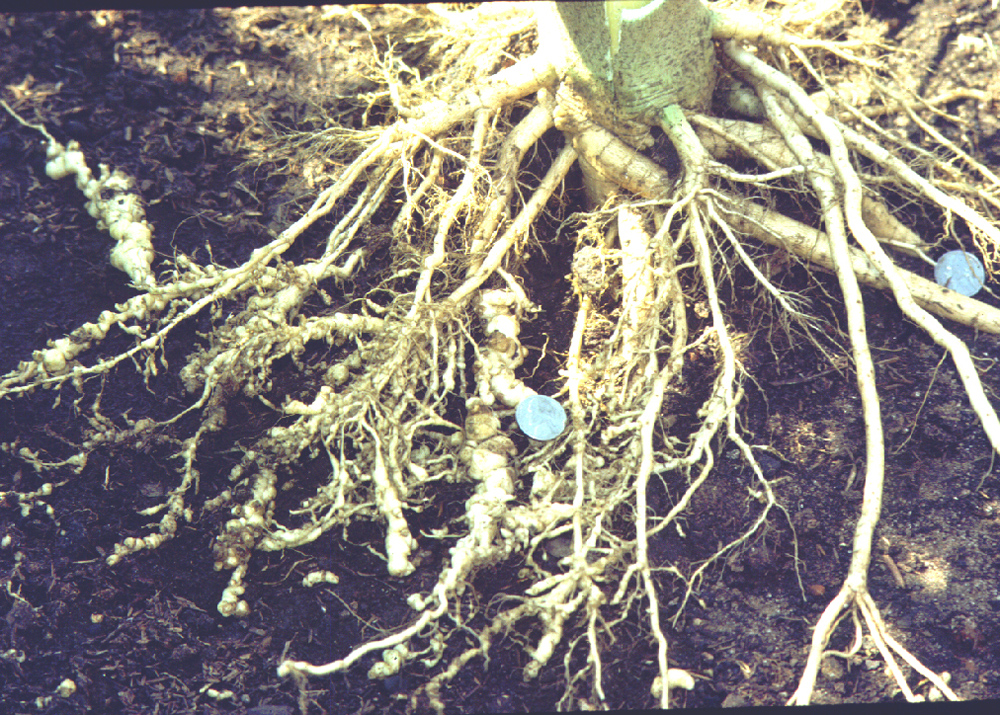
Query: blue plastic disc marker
(540, 417)
(960, 271)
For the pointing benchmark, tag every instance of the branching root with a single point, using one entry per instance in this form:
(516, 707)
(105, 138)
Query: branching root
(420, 373)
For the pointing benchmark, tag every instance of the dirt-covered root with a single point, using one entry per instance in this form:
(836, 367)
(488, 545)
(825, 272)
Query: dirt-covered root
(843, 208)
(243, 349)
(587, 493)
(423, 369)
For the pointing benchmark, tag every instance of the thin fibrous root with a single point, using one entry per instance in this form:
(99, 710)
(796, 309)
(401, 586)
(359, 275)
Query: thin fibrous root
(812, 245)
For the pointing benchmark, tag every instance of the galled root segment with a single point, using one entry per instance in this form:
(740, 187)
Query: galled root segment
(495, 530)
(111, 200)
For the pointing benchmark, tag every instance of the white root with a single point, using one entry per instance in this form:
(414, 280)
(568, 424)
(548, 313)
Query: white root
(649, 180)
(377, 415)
(492, 527)
(855, 590)
(812, 245)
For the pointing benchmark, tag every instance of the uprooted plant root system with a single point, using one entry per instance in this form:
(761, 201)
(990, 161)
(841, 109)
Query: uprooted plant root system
(284, 461)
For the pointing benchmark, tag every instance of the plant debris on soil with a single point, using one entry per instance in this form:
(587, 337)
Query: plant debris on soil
(187, 102)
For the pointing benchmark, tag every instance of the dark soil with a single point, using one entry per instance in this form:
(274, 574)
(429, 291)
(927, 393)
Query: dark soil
(184, 101)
